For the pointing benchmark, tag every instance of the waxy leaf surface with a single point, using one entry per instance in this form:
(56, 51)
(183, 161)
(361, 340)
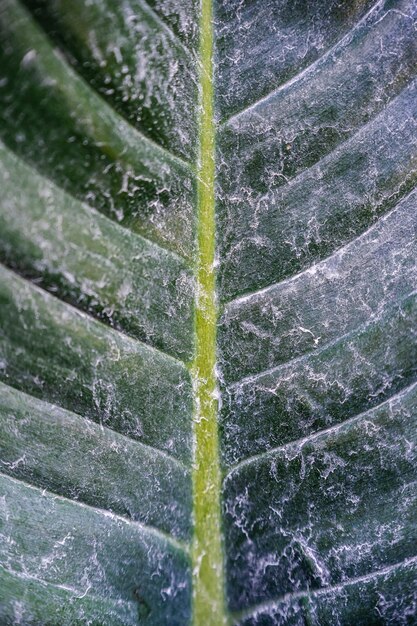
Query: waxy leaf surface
(208, 312)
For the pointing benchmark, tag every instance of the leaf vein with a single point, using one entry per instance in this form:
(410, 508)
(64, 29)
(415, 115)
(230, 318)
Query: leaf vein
(145, 528)
(306, 70)
(299, 443)
(259, 292)
(119, 119)
(272, 604)
(91, 318)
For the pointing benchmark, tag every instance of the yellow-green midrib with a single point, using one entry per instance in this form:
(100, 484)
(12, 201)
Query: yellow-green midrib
(207, 552)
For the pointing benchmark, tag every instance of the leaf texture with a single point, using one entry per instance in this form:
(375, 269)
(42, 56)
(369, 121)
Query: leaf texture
(208, 313)
(317, 254)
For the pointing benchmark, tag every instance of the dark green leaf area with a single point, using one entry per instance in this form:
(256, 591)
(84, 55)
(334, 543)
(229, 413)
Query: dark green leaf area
(266, 236)
(323, 389)
(87, 559)
(298, 124)
(332, 508)
(316, 171)
(353, 286)
(304, 512)
(71, 456)
(54, 120)
(141, 69)
(181, 17)
(262, 44)
(43, 604)
(82, 257)
(56, 353)
(387, 598)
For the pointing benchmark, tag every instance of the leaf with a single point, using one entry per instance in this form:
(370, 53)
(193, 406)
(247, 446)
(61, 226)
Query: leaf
(208, 359)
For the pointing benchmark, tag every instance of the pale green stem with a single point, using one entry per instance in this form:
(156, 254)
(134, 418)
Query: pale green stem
(207, 551)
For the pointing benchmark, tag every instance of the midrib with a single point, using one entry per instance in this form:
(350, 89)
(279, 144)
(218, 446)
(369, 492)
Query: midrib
(207, 554)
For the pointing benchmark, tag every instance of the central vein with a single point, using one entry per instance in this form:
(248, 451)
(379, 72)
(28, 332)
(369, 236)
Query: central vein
(207, 554)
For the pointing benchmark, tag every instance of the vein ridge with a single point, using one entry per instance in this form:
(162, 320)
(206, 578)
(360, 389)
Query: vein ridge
(75, 75)
(307, 69)
(145, 446)
(88, 316)
(147, 8)
(151, 530)
(271, 604)
(238, 300)
(73, 590)
(299, 443)
(209, 603)
(98, 214)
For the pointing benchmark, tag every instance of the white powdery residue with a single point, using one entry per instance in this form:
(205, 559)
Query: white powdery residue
(29, 58)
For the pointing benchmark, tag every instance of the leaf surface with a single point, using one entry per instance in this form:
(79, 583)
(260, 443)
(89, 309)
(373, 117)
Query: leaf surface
(208, 355)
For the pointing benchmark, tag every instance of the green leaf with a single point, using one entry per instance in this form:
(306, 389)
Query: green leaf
(208, 355)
